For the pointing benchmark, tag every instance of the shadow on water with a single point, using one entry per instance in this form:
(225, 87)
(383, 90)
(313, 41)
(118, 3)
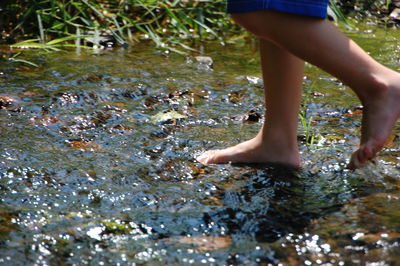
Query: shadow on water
(266, 219)
(276, 201)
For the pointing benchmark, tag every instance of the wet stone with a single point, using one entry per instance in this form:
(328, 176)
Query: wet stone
(10, 103)
(204, 62)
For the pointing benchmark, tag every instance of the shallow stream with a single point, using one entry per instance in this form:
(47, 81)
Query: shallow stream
(97, 163)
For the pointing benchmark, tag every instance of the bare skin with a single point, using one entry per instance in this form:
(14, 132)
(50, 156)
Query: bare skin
(287, 40)
(283, 75)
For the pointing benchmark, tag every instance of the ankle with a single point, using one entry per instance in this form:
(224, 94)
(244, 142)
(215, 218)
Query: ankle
(277, 142)
(376, 89)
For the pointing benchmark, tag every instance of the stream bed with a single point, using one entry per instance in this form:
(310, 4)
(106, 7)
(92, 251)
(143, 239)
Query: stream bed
(97, 163)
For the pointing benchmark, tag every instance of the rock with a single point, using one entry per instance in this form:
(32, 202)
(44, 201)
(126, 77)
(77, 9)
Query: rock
(164, 117)
(249, 117)
(101, 39)
(9, 103)
(252, 116)
(395, 14)
(204, 62)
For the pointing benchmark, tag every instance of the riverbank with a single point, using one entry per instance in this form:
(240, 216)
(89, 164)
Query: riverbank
(170, 25)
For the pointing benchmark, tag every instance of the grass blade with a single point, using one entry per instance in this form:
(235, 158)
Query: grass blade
(24, 62)
(41, 31)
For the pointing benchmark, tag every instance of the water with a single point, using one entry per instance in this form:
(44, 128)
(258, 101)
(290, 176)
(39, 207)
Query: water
(97, 164)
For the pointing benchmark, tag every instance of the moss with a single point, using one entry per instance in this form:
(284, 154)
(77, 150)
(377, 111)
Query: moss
(117, 227)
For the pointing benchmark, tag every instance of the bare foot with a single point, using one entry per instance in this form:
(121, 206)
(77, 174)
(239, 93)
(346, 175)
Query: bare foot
(379, 118)
(252, 151)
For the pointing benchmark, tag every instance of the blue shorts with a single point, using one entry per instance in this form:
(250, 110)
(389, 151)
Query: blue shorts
(315, 8)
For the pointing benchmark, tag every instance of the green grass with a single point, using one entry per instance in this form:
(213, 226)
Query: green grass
(14, 59)
(175, 25)
(311, 138)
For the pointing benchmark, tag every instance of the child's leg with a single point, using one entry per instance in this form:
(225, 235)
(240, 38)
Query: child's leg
(277, 140)
(320, 43)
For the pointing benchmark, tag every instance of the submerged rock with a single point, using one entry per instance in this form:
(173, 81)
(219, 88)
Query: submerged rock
(204, 62)
(101, 39)
(164, 117)
(10, 103)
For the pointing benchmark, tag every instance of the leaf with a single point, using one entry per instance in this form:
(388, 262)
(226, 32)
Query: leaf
(351, 113)
(26, 94)
(34, 43)
(63, 39)
(83, 145)
(390, 141)
(46, 121)
(8, 102)
(207, 243)
(24, 62)
(25, 42)
(163, 117)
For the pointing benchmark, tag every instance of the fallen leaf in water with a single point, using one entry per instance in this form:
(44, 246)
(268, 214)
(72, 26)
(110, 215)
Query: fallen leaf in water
(200, 94)
(6, 101)
(9, 103)
(167, 116)
(197, 171)
(251, 116)
(390, 141)
(122, 127)
(351, 113)
(101, 118)
(26, 94)
(94, 77)
(44, 121)
(214, 201)
(235, 96)
(207, 243)
(83, 145)
(6, 224)
(151, 101)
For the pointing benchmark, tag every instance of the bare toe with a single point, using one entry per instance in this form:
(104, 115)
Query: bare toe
(252, 151)
(365, 153)
(356, 160)
(204, 157)
(210, 157)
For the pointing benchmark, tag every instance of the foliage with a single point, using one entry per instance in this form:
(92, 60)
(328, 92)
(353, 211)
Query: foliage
(166, 22)
(23, 61)
(49, 46)
(311, 138)
(363, 7)
(174, 25)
